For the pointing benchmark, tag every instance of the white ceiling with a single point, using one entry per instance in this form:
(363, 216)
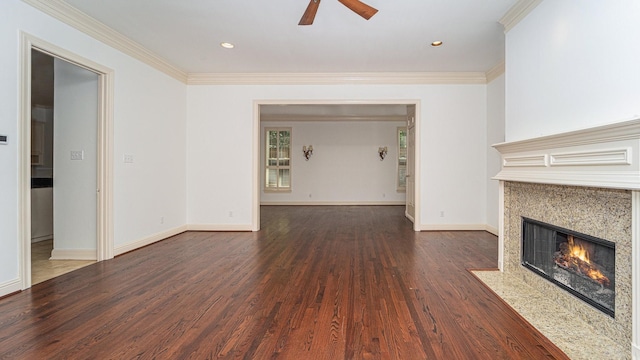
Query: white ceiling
(268, 39)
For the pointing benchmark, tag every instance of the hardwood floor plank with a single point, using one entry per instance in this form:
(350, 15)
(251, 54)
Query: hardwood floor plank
(325, 282)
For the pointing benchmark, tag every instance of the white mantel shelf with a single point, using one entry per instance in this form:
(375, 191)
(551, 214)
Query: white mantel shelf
(605, 156)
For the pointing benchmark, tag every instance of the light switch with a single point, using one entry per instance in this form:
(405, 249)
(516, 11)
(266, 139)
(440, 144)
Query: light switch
(77, 154)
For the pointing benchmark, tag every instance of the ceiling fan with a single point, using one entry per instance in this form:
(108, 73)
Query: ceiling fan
(356, 6)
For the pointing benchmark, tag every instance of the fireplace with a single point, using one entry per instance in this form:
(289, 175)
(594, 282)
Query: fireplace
(587, 181)
(583, 265)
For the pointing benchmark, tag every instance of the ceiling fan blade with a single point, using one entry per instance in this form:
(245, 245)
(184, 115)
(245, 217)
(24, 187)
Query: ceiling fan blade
(310, 13)
(360, 8)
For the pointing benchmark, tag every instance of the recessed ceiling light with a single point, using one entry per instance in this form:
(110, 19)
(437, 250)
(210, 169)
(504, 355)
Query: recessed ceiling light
(227, 45)
(436, 43)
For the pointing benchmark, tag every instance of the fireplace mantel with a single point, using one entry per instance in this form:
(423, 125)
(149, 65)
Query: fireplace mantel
(605, 156)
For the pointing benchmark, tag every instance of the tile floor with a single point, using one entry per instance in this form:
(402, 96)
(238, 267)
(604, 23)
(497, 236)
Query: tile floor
(43, 269)
(578, 343)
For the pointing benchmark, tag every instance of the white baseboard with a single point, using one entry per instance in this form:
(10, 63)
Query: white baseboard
(121, 249)
(10, 286)
(333, 203)
(73, 254)
(635, 352)
(219, 227)
(453, 227)
(491, 229)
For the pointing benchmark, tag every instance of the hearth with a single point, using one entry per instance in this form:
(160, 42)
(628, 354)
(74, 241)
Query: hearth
(581, 264)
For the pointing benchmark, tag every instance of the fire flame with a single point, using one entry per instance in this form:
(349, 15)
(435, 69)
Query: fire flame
(578, 260)
(578, 251)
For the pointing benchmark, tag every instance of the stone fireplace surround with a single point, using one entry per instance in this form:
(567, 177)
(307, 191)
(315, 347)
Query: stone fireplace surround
(587, 181)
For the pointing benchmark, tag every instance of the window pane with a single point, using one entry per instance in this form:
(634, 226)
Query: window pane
(402, 158)
(402, 178)
(271, 178)
(284, 178)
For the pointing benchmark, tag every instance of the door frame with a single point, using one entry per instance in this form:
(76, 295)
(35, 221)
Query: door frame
(104, 160)
(257, 172)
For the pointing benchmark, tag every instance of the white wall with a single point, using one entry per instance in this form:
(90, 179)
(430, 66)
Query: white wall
(149, 122)
(75, 129)
(453, 153)
(495, 134)
(345, 166)
(572, 65)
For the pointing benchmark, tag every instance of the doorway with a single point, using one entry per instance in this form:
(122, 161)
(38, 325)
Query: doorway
(330, 111)
(64, 106)
(82, 177)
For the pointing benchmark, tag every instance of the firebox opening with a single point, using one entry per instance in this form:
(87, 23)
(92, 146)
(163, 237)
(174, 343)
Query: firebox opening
(581, 264)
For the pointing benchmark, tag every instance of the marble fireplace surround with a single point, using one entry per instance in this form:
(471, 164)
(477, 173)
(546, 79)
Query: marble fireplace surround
(587, 181)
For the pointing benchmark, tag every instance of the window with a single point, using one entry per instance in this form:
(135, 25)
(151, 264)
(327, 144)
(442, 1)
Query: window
(278, 160)
(402, 158)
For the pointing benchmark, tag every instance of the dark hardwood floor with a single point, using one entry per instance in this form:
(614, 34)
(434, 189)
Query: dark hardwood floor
(350, 282)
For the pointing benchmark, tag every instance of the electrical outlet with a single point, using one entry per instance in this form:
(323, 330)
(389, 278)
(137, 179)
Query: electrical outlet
(77, 155)
(384, 195)
(309, 196)
(128, 158)
(230, 213)
(161, 219)
(441, 213)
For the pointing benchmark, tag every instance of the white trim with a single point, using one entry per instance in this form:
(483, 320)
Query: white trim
(69, 15)
(602, 178)
(518, 12)
(124, 248)
(531, 160)
(454, 227)
(491, 229)
(72, 254)
(220, 227)
(11, 286)
(308, 117)
(501, 214)
(256, 170)
(601, 156)
(594, 158)
(255, 224)
(495, 71)
(332, 203)
(389, 78)
(104, 146)
(635, 274)
(411, 218)
(618, 131)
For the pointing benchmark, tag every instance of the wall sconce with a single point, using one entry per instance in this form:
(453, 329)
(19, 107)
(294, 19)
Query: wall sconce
(307, 151)
(382, 151)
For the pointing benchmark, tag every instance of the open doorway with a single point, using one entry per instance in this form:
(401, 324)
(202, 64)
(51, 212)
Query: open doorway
(64, 114)
(355, 158)
(65, 167)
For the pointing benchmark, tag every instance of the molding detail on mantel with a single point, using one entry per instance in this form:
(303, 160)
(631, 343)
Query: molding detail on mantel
(518, 12)
(605, 156)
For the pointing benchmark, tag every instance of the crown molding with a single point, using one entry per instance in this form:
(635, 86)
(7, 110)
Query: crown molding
(383, 78)
(495, 71)
(71, 16)
(309, 117)
(518, 12)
